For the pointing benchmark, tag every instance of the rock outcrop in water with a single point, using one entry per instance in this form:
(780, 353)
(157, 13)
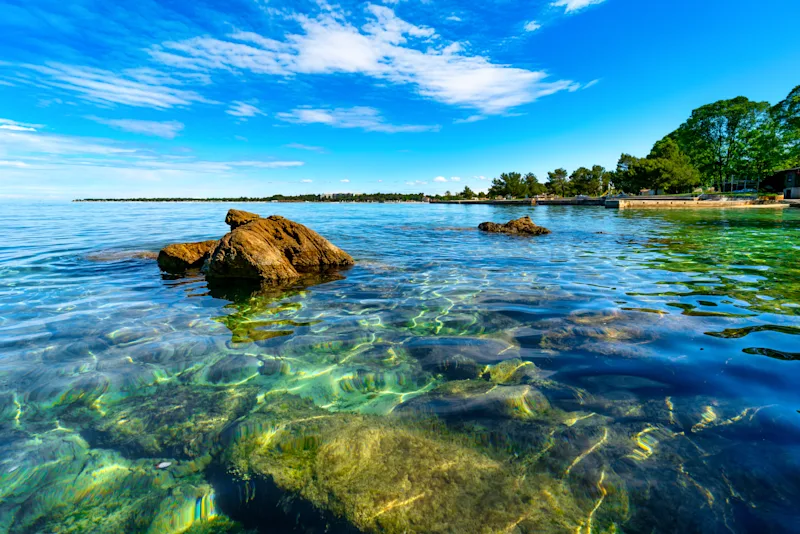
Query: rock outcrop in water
(272, 249)
(237, 218)
(182, 256)
(522, 226)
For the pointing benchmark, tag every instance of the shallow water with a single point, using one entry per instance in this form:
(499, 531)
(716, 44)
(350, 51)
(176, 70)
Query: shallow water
(638, 369)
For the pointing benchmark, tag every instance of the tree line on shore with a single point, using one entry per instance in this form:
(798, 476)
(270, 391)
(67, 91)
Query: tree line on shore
(338, 197)
(730, 140)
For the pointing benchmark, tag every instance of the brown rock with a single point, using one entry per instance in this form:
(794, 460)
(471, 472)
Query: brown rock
(237, 218)
(179, 257)
(522, 226)
(274, 249)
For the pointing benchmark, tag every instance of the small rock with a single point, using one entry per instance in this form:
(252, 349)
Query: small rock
(182, 256)
(522, 226)
(163, 465)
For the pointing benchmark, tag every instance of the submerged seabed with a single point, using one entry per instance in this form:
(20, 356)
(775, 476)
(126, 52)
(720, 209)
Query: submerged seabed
(630, 372)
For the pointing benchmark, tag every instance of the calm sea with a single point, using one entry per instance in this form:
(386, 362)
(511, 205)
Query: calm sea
(645, 363)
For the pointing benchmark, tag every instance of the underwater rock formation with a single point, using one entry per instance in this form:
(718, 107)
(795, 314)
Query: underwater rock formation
(237, 218)
(391, 476)
(274, 249)
(522, 226)
(172, 421)
(121, 255)
(57, 483)
(182, 256)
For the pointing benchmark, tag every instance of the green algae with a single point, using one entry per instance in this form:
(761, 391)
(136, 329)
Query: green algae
(735, 333)
(173, 420)
(76, 489)
(736, 258)
(391, 475)
(691, 310)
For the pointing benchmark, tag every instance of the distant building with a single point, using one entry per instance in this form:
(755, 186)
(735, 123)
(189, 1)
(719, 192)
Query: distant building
(786, 181)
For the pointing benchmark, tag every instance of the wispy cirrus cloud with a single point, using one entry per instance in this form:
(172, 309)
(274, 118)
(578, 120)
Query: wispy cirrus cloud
(8, 124)
(299, 146)
(386, 48)
(365, 118)
(573, 6)
(134, 87)
(36, 151)
(17, 164)
(243, 109)
(165, 129)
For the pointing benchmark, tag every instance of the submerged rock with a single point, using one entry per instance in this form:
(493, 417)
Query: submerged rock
(522, 226)
(182, 256)
(237, 218)
(177, 421)
(274, 249)
(390, 476)
(121, 255)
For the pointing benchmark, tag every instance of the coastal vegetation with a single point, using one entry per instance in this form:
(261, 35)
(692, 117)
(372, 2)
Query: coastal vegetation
(729, 140)
(335, 197)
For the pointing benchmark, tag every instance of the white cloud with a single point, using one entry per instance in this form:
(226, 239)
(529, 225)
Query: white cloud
(265, 164)
(345, 181)
(471, 118)
(16, 128)
(455, 179)
(454, 18)
(8, 124)
(38, 151)
(243, 109)
(298, 146)
(532, 26)
(480, 177)
(417, 182)
(165, 129)
(591, 84)
(573, 6)
(387, 48)
(131, 88)
(366, 118)
(440, 179)
(306, 181)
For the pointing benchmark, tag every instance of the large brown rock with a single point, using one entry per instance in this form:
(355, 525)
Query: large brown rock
(522, 226)
(237, 218)
(182, 256)
(274, 249)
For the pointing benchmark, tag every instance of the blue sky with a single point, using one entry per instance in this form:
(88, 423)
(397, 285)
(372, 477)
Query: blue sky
(258, 97)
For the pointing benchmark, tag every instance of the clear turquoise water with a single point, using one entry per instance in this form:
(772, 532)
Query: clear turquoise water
(665, 344)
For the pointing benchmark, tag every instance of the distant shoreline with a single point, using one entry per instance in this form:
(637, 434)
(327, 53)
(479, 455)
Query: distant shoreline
(251, 200)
